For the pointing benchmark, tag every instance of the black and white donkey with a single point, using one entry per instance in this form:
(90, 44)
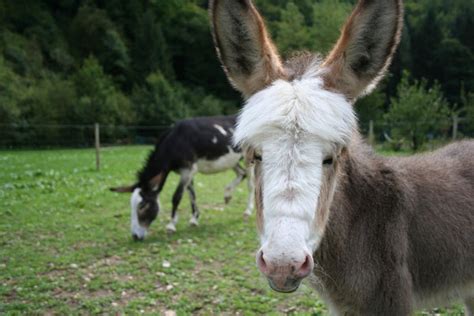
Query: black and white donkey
(194, 145)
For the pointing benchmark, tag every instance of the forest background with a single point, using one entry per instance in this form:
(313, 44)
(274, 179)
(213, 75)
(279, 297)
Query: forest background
(151, 63)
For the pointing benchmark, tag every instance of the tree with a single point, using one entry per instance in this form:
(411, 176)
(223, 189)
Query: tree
(371, 108)
(159, 102)
(10, 94)
(291, 32)
(150, 50)
(417, 111)
(328, 18)
(456, 68)
(93, 33)
(98, 99)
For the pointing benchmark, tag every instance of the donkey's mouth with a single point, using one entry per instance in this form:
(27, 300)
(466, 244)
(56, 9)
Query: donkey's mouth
(291, 285)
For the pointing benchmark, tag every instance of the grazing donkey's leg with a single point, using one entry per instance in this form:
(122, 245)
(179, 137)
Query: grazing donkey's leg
(186, 177)
(251, 191)
(194, 207)
(230, 188)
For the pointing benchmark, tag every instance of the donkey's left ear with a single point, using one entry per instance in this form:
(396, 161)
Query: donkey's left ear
(365, 49)
(243, 45)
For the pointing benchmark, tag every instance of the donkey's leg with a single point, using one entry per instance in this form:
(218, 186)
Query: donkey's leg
(186, 177)
(251, 191)
(230, 188)
(177, 196)
(192, 198)
(469, 302)
(393, 294)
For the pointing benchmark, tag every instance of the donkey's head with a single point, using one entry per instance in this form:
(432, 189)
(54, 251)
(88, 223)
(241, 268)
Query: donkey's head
(145, 207)
(298, 120)
(144, 203)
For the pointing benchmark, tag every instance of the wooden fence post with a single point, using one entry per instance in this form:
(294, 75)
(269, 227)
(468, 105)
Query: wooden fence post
(371, 133)
(455, 126)
(97, 145)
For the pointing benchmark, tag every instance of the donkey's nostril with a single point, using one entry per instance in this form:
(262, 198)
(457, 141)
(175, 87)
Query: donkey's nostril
(262, 265)
(305, 268)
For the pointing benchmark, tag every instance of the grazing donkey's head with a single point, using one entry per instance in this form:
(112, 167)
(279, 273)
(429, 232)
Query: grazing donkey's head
(144, 203)
(298, 121)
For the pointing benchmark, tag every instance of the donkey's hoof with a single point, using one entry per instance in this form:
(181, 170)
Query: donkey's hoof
(194, 222)
(171, 228)
(227, 199)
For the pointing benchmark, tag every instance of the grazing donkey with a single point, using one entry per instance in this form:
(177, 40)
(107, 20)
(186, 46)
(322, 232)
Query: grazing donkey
(201, 144)
(379, 236)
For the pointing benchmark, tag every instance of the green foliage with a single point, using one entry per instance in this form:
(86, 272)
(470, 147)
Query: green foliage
(98, 99)
(150, 51)
(22, 54)
(159, 102)
(371, 108)
(291, 32)
(328, 17)
(442, 47)
(417, 111)
(318, 33)
(10, 93)
(160, 54)
(92, 32)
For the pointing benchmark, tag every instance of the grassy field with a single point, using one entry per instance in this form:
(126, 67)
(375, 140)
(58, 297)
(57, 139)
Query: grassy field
(65, 245)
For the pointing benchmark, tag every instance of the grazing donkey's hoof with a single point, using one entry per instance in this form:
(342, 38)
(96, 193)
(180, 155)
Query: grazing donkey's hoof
(171, 228)
(227, 199)
(137, 238)
(194, 222)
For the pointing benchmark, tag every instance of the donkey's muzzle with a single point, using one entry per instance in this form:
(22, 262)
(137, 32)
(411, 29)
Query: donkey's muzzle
(284, 274)
(290, 285)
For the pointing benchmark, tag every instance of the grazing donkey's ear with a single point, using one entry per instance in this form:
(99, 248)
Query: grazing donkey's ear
(250, 59)
(366, 47)
(126, 189)
(156, 183)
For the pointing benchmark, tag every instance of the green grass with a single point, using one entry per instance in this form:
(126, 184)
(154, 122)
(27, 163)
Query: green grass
(65, 245)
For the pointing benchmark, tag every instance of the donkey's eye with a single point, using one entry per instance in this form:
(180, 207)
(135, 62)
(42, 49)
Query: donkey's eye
(328, 161)
(257, 157)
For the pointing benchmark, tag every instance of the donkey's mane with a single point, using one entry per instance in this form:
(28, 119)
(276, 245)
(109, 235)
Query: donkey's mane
(299, 62)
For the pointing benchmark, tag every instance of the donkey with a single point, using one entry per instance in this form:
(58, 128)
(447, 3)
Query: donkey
(374, 235)
(201, 144)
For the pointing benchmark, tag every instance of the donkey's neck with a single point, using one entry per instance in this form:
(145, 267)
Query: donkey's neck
(156, 164)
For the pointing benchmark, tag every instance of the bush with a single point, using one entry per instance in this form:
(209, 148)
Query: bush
(159, 102)
(417, 112)
(98, 99)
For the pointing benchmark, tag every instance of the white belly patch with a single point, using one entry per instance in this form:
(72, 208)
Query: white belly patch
(225, 162)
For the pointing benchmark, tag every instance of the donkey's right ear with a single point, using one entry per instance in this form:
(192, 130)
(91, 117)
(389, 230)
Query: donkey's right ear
(243, 45)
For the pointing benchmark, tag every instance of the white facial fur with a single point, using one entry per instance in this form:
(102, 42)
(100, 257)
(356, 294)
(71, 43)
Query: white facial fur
(295, 125)
(137, 230)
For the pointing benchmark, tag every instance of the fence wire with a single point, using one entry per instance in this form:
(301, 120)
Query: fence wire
(13, 136)
(75, 136)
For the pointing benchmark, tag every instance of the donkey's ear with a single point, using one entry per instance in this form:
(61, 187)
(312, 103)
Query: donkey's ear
(156, 182)
(243, 45)
(365, 49)
(128, 189)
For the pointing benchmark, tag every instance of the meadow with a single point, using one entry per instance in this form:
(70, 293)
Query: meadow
(66, 249)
